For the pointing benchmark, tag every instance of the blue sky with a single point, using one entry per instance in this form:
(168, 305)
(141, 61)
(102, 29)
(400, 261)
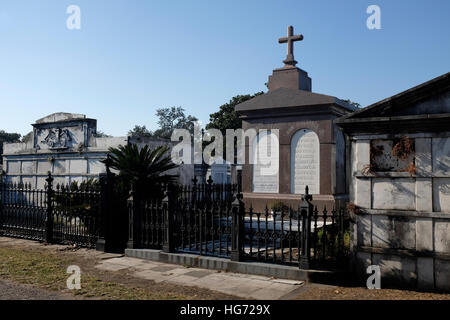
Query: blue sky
(132, 57)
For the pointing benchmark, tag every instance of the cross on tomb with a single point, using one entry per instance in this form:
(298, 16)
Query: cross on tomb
(290, 39)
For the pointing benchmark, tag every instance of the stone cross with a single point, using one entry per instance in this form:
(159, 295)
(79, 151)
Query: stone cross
(290, 39)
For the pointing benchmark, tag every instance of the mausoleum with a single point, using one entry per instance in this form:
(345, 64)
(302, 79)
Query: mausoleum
(68, 146)
(65, 144)
(400, 186)
(311, 148)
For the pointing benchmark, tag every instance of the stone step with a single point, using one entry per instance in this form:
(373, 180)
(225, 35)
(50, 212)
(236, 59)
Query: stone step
(335, 277)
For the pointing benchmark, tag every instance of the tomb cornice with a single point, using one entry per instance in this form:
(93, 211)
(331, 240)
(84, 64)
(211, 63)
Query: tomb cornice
(324, 109)
(396, 124)
(291, 98)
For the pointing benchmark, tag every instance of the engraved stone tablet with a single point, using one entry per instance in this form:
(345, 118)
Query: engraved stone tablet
(305, 160)
(266, 163)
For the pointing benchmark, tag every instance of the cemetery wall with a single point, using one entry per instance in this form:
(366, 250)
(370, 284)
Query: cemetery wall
(67, 145)
(24, 164)
(402, 216)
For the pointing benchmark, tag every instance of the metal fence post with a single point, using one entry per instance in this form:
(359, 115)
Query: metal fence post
(194, 190)
(237, 228)
(209, 190)
(130, 222)
(133, 204)
(2, 197)
(49, 222)
(102, 218)
(107, 217)
(306, 209)
(239, 181)
(168, 207)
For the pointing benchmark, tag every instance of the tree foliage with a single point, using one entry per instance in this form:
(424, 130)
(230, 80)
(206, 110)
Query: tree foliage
(140, 131)
(355, 104)
(227, 117)
(173, 118)
(8, 137)
(168, 120)
(26, 138)
(73, 200)
(147, 168)
(101, 134)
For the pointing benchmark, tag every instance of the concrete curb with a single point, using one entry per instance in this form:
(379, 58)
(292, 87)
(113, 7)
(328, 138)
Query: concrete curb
(256, 268)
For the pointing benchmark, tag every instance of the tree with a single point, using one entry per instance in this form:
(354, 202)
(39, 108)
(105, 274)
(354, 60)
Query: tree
(8, 137)
(101, 134)
(355, 104)
(26, 138)
(169, 119)
(146, 168)
(173, 118)
(227, 117)
(140, 131)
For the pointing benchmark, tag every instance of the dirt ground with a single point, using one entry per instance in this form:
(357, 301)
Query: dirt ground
(23, 274)
(14, 291)
(86, 260)
(324, 292)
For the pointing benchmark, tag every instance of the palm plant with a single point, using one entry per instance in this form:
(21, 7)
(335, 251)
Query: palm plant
(146, 168)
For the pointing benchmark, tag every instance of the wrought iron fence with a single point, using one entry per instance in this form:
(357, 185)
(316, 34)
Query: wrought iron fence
(147, 224)
(23, 211)
(221, 226)
(199, 217)
(60, 214)
(203, 228)
(287, 235)
(206, 219)
(76, 211)
(204, 193)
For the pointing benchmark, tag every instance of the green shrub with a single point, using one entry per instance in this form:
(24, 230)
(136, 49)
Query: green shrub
(279, 206)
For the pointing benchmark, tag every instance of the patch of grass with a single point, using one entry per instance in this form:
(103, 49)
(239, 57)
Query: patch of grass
(48, 271)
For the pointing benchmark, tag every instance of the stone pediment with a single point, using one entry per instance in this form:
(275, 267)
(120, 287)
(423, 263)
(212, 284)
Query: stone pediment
(63, 131)
(61, 116)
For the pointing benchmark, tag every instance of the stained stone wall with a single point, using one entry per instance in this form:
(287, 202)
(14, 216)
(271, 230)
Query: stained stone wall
(63, 143)
(67, 145)
(403, 223)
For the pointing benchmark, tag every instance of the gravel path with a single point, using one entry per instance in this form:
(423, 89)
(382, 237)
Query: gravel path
(13, 291)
